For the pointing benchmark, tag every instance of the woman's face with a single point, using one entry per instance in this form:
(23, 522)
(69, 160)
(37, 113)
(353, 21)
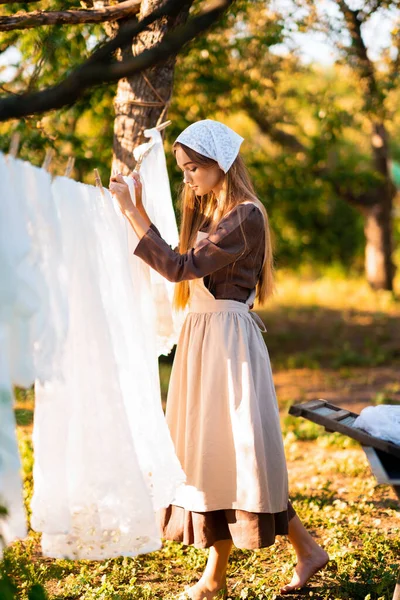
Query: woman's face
(202, 180)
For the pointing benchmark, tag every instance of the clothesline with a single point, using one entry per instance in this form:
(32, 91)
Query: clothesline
(16, 138)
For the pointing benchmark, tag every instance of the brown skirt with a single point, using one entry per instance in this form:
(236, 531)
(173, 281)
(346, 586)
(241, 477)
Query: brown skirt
(202, 529)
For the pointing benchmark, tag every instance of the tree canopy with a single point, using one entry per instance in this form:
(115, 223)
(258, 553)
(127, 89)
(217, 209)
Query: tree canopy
(308, 127)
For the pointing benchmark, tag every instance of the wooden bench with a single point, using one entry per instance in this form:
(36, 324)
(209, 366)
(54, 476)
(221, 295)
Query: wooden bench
(383, 456)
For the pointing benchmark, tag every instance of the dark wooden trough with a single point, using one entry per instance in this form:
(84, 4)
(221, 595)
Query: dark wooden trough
(383, 456)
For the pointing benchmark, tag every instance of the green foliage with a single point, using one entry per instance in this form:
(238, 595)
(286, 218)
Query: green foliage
(307, 130)
(37, 593)
(43, 57)
(384, 397)
(301, 429)
(7, 589)
(340, 503)
(332, 488)
(236, 75)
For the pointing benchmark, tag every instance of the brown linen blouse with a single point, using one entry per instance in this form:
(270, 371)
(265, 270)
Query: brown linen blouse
(230, 259)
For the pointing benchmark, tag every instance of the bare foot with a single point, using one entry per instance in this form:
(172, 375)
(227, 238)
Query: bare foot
(204, 590)
(305, 569)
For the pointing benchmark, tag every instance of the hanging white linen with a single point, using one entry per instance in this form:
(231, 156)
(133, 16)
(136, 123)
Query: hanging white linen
(130, 278)
(98, 474)
(102, 507)
(157, 201)
(13, 524)
(33, 313)
(15, 314)
(37, 315)
(26, 279)
(49, 325)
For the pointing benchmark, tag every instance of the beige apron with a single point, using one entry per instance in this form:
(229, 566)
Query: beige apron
(222, 410)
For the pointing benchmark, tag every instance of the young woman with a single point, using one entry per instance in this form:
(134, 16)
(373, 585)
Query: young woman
(221, 407)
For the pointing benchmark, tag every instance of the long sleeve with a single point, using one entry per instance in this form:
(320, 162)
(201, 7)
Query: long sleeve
(237, 234)
(154, 228)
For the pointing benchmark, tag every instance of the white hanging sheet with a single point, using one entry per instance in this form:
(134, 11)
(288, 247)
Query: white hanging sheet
(12, 525)
(157, 201)
(33, 311)
(90, 498)
(26, 281)
(15, 360)
(112, 461)
(37, 315)
(51, 320)
(88, 319)
(140, 373)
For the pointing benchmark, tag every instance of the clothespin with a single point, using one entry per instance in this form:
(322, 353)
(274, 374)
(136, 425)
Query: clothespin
(143, 156)
(14, 144)
(140, 160)
(69, 167)
(98, 181)
(162, 126)
(48, 158)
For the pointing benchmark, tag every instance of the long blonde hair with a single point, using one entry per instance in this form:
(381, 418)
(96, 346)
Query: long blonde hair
(196, 211)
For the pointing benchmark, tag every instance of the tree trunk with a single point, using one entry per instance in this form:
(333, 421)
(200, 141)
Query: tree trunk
(142, 101)
(379, 267)
(378, 228)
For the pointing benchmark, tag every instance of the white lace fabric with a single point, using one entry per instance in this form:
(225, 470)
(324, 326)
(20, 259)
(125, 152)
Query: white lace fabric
(86, 319)
(95, 496)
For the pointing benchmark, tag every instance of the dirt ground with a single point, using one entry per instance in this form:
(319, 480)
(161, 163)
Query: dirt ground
(351, 388)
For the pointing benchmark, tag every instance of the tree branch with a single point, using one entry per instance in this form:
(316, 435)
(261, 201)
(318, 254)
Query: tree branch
(93, 72)
(130, 30)
(17, 1)
(70, 17)
(359, 50)
(363, 201)
(269, 128)
(395, 67)
(372, 7)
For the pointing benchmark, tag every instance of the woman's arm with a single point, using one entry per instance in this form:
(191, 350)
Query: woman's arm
(240, 232)
(140, 223)
(139, 197)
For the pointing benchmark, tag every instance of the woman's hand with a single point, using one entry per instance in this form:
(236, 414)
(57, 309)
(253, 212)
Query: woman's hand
(138, 189)
(135, 213)
(120, 190)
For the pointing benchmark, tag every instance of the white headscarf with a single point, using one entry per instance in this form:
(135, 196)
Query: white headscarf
(213, 140)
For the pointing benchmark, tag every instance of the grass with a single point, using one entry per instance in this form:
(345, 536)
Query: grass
(331, 323)
(327, 338)
(332, 490)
